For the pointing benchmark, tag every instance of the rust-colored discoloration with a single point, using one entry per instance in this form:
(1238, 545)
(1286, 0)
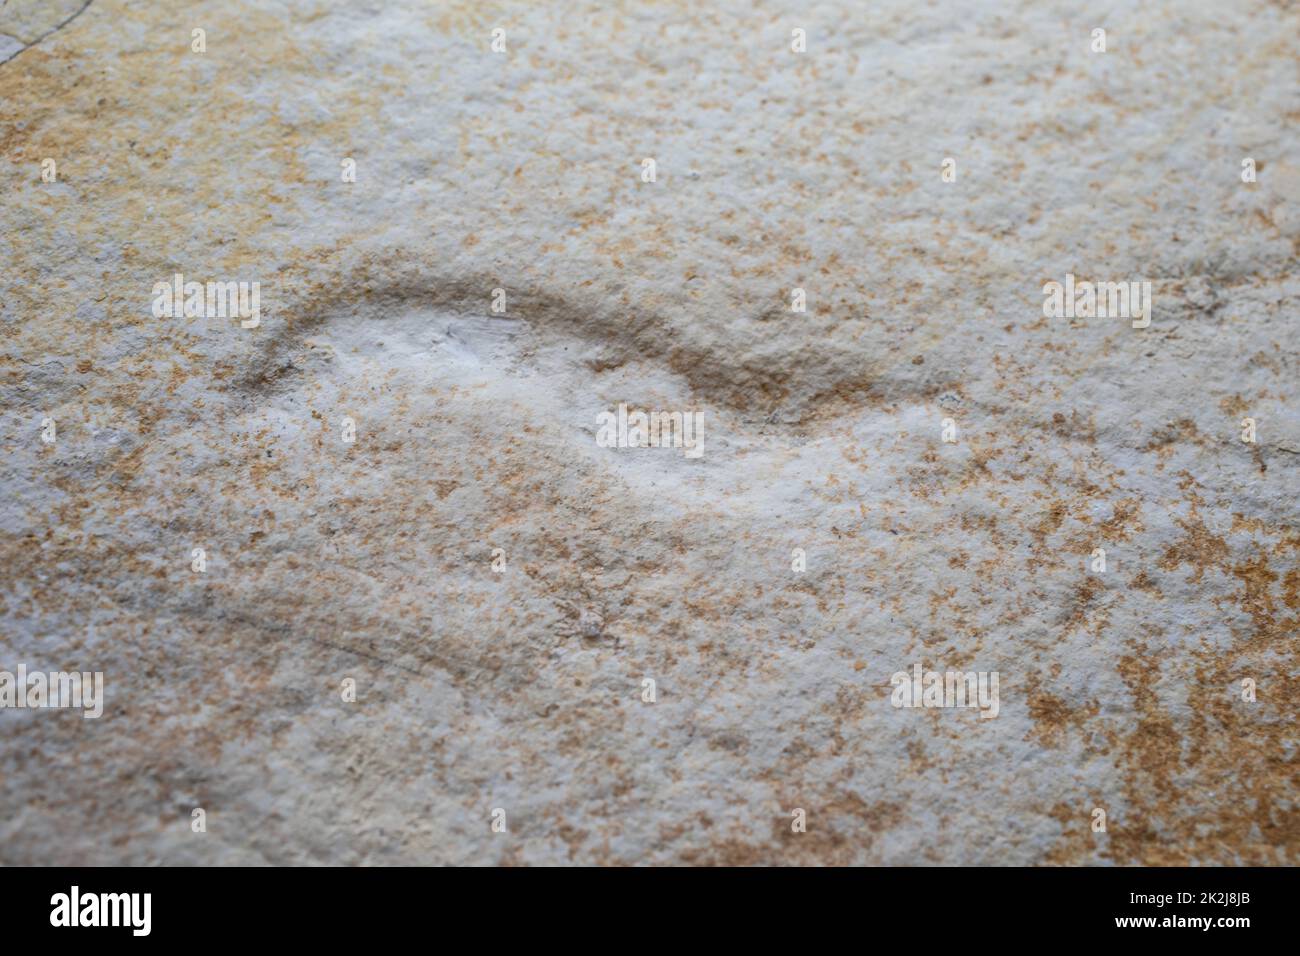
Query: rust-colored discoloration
(1054, 718)
(522, 688)
(1198, 547)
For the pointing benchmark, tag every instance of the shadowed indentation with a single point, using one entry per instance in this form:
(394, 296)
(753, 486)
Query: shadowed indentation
(780, 387)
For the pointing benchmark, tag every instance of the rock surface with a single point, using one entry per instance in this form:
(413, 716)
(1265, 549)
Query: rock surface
(520, 687)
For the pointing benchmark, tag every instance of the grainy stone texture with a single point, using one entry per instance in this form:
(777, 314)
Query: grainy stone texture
(474, 431)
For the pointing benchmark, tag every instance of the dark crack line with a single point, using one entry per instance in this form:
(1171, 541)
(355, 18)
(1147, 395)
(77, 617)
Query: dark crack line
(49, 32)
